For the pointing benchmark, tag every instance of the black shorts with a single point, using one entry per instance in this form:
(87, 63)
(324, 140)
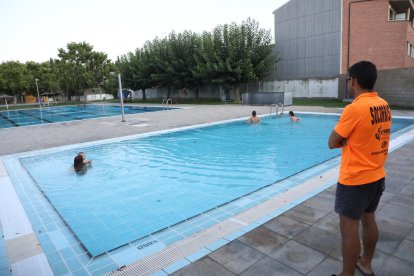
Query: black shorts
(354, 201)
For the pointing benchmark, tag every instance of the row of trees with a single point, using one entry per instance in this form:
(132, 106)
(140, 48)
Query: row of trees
(229, 55)
(76, 69)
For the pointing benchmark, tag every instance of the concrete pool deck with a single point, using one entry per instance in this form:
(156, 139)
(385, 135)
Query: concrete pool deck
(251, 252)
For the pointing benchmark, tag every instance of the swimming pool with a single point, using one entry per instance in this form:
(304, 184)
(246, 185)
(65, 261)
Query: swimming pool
(171, 176)
(141, 186)
(45, 115)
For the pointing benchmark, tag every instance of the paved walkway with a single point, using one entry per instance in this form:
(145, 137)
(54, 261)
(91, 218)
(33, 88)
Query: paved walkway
(306, 239)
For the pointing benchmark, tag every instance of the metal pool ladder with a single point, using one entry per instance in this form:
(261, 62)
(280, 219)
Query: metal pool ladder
(276, 106)
(167, 103)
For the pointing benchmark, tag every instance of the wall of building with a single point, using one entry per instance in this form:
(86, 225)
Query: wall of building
(409, 61)
(372, 37)
(303, 88)
(395, 85)
(307, 39)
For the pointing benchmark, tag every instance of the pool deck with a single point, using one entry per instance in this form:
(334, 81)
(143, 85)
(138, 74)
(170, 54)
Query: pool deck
(303, 241)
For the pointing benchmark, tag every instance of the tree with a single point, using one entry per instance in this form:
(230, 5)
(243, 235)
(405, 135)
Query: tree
(160, 66)
(80, 67)
(14, 79)
(136, 69)
(233, 54)
(44, 73)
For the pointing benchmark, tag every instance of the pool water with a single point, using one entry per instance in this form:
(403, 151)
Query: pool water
(141, 186)
(45, 115)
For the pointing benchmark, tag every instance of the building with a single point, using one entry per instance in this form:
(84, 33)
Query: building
(308, 37)
(318, 40)
(381, 31)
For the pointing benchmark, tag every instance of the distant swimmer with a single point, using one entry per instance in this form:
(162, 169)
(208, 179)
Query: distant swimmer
(293, 118)
(253, 119)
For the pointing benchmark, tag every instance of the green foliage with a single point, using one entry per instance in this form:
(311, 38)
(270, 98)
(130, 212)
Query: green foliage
(136, 69)
(229, 55)
(234, 54)
(80, 68)
(14, 78)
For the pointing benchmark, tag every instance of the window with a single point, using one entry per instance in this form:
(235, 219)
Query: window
(410, 50)
(400, 17)
(391, 13)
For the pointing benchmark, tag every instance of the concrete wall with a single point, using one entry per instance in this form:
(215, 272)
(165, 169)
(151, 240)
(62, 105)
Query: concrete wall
(304, 88)
(211, 92)
(95, 97)
(307, 38)
(396, 86)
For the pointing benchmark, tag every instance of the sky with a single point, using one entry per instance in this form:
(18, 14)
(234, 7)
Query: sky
(33, 30)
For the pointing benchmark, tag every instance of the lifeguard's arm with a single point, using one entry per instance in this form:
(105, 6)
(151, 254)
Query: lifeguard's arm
(336, 140)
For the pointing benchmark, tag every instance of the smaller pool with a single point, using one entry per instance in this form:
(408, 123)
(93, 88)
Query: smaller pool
(45, 115)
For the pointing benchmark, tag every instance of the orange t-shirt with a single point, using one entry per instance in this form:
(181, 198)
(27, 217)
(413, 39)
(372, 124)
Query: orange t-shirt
(366, 124)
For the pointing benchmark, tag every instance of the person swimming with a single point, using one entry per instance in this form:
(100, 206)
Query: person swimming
(293, 118)
(253, 119)
(80, 162)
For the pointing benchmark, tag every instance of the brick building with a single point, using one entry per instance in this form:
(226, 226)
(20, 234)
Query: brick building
(317, 41)
(381, 31)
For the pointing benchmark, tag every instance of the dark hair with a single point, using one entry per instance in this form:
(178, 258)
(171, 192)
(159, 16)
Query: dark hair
(78, 163)
(254, 113)
(365, 73)
(291, 113)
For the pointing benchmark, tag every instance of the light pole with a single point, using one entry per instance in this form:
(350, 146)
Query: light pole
(38, 96)
(120, 95)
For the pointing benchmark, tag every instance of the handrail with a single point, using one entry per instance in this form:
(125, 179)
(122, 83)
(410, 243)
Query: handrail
(276, 106)
(271, 108)
(167, 103)
(283, 108)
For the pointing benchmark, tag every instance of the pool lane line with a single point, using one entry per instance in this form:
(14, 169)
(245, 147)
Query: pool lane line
(7, 119)
(30, 115)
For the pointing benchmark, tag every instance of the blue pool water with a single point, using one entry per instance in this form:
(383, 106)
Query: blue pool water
(35, 116)
(140, 186)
